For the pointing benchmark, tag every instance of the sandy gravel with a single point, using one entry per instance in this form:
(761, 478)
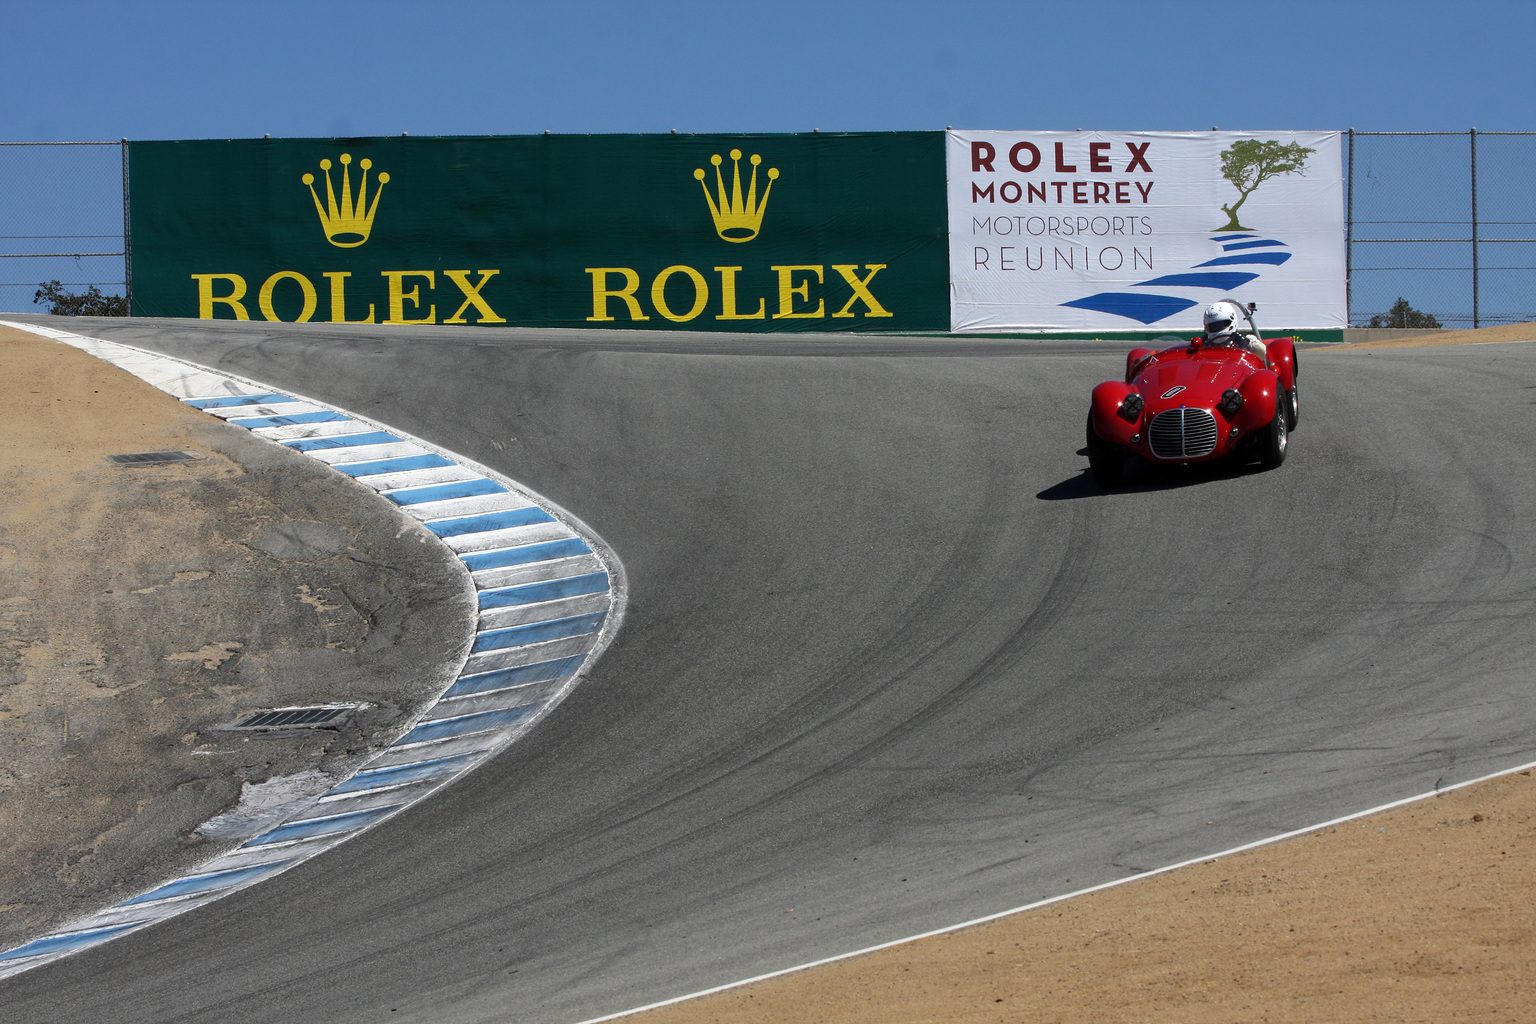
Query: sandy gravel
(1481, 336)
(1426, 913)
(142, 608)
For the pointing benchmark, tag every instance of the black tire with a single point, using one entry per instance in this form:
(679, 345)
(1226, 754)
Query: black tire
(1292, 410)
(1275, 439)
(1106, 460)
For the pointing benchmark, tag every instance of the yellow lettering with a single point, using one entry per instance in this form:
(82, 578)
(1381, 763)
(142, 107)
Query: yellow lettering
(601, 293)
(659, 293)
(206, 298)
(339, 298)
(398, 296)
(788, 290)
(472, 297)
(264, 297)
(728, 298)
(860, 288)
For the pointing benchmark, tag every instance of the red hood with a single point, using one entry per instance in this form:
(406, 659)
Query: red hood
(1202, 376)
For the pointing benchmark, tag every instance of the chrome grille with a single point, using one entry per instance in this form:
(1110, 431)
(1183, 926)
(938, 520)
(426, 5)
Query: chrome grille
(1182, 434)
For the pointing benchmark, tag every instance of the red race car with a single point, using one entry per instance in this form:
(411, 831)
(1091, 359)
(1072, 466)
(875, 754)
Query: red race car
(1225, 394)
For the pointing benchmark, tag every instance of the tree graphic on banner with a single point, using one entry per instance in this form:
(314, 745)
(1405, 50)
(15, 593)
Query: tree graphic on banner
(1250, 163)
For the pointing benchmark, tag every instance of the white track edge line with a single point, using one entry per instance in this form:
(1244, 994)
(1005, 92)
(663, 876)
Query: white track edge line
(1048, 901)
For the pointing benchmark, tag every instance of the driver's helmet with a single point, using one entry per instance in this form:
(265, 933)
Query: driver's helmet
(1221, 320)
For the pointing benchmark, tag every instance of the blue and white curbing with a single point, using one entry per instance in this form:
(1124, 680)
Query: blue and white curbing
(551, 597)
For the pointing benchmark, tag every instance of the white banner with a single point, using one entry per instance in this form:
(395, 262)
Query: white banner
(1104, 231)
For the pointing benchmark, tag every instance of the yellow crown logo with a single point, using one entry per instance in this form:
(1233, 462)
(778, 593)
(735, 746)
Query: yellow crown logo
(346, 225)
(737, 220)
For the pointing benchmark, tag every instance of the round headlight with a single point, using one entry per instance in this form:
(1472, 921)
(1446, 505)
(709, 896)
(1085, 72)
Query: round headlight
(1130, 407)
(1231, 401)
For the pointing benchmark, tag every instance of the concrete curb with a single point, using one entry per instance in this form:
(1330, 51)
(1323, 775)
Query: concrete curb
(551, 599)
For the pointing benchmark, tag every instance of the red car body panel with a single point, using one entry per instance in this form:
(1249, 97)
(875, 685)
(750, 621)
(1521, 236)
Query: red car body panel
(1194, 376)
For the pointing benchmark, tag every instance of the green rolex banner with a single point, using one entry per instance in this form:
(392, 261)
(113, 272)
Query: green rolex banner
(820, 232)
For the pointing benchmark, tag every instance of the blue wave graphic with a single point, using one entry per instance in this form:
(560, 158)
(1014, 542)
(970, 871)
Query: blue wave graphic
(1275, 258)
(1211, 279)
(1147, 308)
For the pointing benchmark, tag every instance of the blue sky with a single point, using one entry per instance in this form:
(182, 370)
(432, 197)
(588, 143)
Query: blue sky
(167, 70)
(103, 70)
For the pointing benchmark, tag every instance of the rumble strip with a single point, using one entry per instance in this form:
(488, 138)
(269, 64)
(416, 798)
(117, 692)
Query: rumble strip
(551, 598)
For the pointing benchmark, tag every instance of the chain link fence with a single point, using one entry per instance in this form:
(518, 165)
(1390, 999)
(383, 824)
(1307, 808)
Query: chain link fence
(62, 219)
(1443, 220)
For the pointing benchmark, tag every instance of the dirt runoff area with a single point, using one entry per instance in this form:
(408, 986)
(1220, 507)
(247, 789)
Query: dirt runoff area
(1480, 336)
(1425, 914)
(143, 608)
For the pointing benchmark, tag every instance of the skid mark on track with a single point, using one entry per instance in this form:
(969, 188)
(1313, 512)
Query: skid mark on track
(1072, 572)
(1071, 575)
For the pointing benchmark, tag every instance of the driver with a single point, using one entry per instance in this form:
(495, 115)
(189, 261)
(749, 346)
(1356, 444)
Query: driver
(1221, 320)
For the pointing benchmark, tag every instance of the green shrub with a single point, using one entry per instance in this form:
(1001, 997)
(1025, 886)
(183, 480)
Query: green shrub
(88, 303)
(1403, 315)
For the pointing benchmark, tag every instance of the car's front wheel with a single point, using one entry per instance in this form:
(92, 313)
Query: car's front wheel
(1105, 460)
(1275, 438)
(1292, 406)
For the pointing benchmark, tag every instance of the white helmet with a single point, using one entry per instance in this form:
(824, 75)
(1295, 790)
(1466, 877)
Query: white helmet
(1221, 318)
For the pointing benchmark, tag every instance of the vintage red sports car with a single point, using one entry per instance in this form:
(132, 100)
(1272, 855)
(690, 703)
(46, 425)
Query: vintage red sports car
(1196, 401)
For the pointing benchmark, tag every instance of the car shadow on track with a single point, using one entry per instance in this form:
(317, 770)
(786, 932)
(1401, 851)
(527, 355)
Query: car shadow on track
(1140, 476)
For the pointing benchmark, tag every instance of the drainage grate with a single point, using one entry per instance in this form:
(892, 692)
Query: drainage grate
(294, 718)
(152, 458)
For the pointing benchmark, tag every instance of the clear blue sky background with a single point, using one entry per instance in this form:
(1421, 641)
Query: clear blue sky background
(230, 69)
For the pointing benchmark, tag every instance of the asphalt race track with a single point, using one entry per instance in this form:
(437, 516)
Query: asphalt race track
(891, 660)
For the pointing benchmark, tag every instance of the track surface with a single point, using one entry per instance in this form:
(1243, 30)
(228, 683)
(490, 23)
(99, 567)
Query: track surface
(891, 660)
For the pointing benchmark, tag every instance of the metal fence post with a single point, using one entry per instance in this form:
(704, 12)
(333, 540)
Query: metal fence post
(1349, 237)
(127, 243)
(1476, 310)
